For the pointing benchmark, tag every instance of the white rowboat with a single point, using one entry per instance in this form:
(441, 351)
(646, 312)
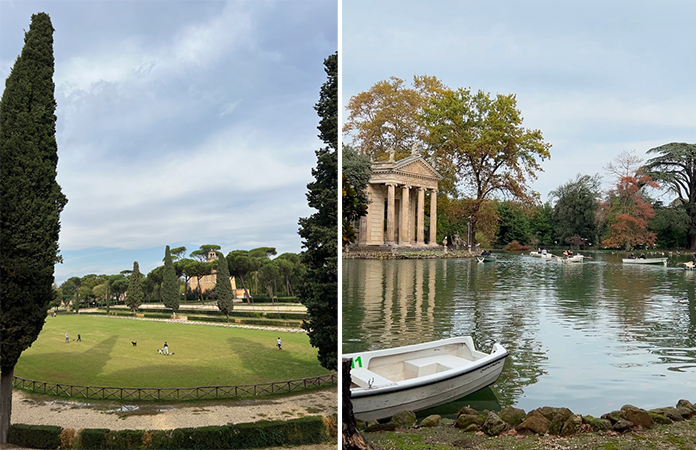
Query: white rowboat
(416, 377)
(645, 261)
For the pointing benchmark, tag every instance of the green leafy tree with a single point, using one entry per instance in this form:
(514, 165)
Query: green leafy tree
(178, 253)
(574, 213)
(77, 282)
(479, 144)
(269, 274)
(134, 295)
(356, 173)
(223, 287)
(170, 285)
(542, 226)
(240, 265)
(68, 290)
(319, 232)
(100, 291)
(669, 225)
(513, 223)
(156, 276)
(199, 269)
(31, 202)
(118, 286)
(83, 294)
(290, 268)
(675, 168)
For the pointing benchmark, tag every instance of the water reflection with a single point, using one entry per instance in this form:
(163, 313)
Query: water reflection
(588, 336)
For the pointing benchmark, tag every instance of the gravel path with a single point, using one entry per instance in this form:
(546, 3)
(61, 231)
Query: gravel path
(213, 324)
(41, 410)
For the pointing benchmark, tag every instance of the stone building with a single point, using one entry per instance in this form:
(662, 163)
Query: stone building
(396, 204)
(208, 281)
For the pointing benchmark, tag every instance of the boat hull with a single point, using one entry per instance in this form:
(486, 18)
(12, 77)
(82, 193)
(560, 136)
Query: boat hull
(662, 261)
(381, 401)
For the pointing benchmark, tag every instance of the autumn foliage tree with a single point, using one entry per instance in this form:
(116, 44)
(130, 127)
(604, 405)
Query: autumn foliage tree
(628, 211)
(388, 116)
(477, 141)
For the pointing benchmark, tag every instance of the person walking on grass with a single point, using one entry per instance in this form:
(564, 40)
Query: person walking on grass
(166, 349)
(67, 338)
(279, 344)
(79, 339)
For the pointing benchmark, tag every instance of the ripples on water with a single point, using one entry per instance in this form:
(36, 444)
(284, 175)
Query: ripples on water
(590, 336)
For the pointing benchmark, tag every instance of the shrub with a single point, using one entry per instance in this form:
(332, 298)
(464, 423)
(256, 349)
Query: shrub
(123, 439)
(93, 438)
(67, 438)
(34, 436)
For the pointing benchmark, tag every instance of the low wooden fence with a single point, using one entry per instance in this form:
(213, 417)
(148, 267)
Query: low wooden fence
(194, 393)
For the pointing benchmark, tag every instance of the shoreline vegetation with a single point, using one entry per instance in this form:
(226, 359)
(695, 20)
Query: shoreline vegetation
(542, 428)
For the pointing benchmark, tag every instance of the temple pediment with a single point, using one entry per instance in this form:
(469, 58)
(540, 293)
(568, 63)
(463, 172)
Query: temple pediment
(412, 170)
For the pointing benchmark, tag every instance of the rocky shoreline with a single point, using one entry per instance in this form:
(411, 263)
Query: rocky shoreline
(541, 421)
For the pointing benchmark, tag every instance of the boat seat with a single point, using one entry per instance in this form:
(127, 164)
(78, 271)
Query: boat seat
(429, 365)
(363, 377)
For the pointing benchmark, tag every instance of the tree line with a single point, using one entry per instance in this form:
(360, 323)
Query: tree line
(488, 159)
(253, 269)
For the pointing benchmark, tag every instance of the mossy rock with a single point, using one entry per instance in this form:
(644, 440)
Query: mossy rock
(597, 424)
(404, 419)
(431, 421)
(465, 420)
(494, 425)
(512, 416)
(660, 419)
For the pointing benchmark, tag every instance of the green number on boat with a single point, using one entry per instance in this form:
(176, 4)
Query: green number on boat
(356, 360)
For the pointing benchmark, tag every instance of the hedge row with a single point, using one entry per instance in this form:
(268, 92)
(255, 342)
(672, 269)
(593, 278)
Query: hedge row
(263, 434)
(233, 313)
(259, 322)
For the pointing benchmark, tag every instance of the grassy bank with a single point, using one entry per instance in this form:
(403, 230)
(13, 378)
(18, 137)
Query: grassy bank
(203, 355)
(678, 436)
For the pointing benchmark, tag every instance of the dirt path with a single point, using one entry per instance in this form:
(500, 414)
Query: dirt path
(34, 410)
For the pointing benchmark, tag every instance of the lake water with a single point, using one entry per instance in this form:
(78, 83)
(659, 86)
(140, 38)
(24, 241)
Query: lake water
(589, 336)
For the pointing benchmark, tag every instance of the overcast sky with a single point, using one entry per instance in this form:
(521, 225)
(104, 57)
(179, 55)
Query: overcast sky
(180, 122)
(596, 77)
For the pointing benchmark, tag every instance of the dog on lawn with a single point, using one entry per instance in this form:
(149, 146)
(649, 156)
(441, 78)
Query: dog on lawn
(135, 343)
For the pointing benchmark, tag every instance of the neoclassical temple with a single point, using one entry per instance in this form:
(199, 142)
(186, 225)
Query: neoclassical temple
(396, 203)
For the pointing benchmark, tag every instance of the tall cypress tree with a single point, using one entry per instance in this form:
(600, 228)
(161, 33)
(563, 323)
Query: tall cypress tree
(30, 202)
(319, 289)
(170, 286)
(134, 295)
(223, 287)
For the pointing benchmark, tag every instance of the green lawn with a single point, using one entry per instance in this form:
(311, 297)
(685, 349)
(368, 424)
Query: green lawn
(203, 355)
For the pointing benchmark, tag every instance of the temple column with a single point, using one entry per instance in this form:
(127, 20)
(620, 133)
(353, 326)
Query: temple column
(366, 220)
(420, 212)
(433, 218)
(390, 214)
(404, 219)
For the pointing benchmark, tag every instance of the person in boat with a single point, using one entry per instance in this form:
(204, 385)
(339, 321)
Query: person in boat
(543, 252)
(642, 255)
(485, 253)
(631, 255)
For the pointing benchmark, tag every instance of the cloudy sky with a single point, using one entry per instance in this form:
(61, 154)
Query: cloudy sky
(180, 122)
(596, 77)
